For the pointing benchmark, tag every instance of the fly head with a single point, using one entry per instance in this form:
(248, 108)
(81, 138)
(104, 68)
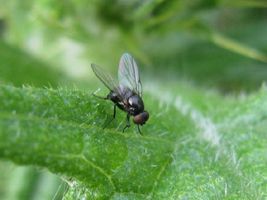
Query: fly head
(141, 118)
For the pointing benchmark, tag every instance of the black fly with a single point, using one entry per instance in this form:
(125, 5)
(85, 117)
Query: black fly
(127, 93)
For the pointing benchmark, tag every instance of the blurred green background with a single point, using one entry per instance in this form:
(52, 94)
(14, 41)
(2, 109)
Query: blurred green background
(212, 44)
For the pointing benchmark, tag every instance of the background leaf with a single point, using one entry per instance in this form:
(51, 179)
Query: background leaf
(18, 68)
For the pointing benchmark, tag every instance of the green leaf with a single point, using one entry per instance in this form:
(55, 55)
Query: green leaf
(244, 3)
(18, 67)
(23, 183)
(236, 47)
(196, 145)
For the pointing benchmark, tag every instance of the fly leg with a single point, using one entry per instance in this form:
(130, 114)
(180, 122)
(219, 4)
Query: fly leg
(139, 130)
(114, 110)
(114, 115)
(94, 94)
(127, 122)
(104, 98)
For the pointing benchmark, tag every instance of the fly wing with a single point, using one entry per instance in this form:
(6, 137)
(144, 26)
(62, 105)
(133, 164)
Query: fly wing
(106, 78)
(128, 74)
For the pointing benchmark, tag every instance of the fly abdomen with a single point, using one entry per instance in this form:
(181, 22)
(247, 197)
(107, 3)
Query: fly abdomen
(113, 96)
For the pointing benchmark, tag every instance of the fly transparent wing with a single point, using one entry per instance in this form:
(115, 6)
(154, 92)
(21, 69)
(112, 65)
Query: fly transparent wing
(128, 74)
(106, 78)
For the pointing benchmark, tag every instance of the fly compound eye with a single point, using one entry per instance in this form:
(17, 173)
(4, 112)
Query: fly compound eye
(141, 118)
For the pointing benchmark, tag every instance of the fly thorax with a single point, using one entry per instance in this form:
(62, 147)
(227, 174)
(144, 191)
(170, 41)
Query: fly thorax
(136, 105)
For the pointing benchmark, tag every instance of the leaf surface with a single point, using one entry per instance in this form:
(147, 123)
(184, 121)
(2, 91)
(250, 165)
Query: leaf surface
(195, 145)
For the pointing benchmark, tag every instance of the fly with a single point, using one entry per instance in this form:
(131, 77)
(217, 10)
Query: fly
(126, 94)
